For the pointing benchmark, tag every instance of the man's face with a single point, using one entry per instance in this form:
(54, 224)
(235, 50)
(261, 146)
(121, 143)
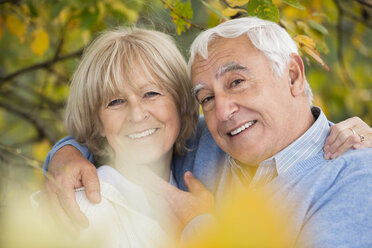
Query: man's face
(246, 107)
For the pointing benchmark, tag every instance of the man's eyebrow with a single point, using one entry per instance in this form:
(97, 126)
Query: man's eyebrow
(232, 66)
(196, 89)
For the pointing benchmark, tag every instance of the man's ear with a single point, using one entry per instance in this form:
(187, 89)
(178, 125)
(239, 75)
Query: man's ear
(296, 73)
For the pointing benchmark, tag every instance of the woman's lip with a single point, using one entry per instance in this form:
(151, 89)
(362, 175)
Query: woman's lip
(142, 134)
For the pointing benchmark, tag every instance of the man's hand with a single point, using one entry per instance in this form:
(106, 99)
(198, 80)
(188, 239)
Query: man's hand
(352, 132)
(68, 170)
(188, 205)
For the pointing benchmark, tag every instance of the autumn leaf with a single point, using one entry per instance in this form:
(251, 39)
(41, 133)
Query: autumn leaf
(39, 41)
(231, 12)
(16, 27)
(214, 10)
(41, 149)
(124, 10)
(318, 27)
(308, 45)
(183, 9)
(294, 3)
(263, 9)
(239, 3)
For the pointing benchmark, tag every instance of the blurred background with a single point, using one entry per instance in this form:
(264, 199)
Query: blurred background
(41, 42)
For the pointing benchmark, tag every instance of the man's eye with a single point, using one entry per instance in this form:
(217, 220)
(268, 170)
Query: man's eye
(151, 94)
(236, 82)
(115, 102)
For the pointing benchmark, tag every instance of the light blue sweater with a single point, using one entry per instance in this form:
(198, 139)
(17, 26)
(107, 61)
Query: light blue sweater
(329, 202)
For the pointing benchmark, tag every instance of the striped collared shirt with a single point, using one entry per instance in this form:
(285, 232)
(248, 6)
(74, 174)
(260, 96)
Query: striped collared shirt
(309, 144)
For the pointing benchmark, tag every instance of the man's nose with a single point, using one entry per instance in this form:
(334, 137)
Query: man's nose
(225, 106)
(138, 112)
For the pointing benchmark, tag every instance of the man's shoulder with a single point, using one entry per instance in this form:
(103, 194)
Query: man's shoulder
(356, 159)
(352, 168)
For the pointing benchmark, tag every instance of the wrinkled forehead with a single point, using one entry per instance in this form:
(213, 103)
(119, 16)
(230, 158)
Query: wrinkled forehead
(224, 54)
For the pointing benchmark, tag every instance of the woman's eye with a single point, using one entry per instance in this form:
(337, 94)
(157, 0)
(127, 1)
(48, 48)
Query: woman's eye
(206, 99)
(151, 94)
(236, 82)
(115, 102)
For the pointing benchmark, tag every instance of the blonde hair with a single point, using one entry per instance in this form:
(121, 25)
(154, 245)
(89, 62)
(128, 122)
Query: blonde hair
(107, 63)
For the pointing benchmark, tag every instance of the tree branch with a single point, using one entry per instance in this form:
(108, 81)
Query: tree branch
(17, 152)
(44, 64)
(362, 2)
(42, 128)
(181, 16)
(347, 79)
(9, 1)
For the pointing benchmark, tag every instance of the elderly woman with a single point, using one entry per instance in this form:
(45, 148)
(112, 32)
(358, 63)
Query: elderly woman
(130, 103)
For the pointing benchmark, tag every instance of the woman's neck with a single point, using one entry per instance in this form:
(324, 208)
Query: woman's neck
(134, 170)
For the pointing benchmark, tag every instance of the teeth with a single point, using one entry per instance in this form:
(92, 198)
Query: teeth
(242, 128)
(142, 134)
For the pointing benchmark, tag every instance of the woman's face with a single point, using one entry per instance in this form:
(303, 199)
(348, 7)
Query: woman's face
(141, 125)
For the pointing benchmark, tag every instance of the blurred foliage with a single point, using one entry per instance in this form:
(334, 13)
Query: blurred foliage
(41, 42)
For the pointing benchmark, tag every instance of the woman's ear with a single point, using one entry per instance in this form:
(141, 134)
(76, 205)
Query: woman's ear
(296, 75)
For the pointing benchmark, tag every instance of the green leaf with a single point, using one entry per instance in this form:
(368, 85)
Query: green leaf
(264, 9)
(184, 9)
(214, 10)
(318, 27)
(89, 18)
(56, 9)
(294, 3)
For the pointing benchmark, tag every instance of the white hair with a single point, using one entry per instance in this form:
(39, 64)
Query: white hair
(268, 37)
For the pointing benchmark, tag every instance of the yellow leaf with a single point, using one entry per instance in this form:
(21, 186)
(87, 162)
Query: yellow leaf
(304, 40)
(41, 149)
(234, 3)
(25, 9)
(102, 10)
(39, 41)
(16, 27)
(122, 8)
(63, 15)
(1, 27)
(1, 120)
(86, 36)
(231, 12)
(308, 45)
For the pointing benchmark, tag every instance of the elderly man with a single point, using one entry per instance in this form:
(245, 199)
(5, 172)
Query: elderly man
(250, 81)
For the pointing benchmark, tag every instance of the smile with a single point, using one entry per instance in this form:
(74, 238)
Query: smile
(242, 128)
(142, 134)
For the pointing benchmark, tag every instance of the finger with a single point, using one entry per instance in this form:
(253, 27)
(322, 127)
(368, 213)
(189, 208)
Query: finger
(67, 200)
(335, 129)
(334, 132)
(366, 143)
(193, 185)
(350, 141)
(91, 183)
(50, 205)
(339, 140)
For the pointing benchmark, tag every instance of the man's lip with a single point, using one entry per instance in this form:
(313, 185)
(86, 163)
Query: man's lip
(241, 127)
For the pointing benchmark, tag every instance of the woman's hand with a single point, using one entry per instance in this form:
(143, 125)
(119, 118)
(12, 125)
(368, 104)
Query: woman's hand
(352, 132)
